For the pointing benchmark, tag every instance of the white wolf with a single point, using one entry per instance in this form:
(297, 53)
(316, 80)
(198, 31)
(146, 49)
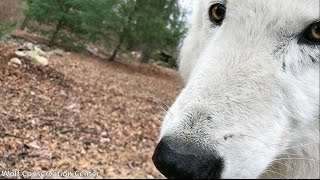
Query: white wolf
(250, 106)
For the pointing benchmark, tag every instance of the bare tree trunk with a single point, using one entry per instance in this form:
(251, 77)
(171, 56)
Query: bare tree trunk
(115, 53)
(116, 50)
(60, 22)
(146, 55)
(58, 28)
(25, 22)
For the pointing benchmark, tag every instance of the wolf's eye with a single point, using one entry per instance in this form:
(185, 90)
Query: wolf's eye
(312, 34)
(217, 13)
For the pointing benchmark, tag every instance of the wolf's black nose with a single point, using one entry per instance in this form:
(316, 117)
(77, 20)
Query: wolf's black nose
(177, 160)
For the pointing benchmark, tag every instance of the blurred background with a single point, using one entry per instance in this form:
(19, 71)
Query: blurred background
(84, 84)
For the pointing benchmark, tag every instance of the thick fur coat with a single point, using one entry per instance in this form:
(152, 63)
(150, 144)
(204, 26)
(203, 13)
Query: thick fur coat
(251, 89)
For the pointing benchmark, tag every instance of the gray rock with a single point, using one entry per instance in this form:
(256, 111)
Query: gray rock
(20, 53)
(31, 54)
(39, 51)
(93, 50)
(28, 46)
(58, 52)
(44, 47)
(41, 60)
(34, 55)
(15, 61)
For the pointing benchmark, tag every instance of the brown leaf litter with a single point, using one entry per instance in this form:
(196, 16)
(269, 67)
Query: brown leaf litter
(79, 113)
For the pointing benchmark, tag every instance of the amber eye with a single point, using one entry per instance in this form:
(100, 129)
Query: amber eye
(312, 34)
(217, 13)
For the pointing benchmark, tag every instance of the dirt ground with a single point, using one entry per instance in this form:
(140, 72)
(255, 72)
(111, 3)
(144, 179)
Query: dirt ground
(80, 113)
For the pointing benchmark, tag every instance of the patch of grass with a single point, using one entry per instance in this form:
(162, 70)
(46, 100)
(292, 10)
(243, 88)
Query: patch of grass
(6, 28)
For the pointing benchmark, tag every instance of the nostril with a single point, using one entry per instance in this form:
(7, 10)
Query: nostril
(178, 160)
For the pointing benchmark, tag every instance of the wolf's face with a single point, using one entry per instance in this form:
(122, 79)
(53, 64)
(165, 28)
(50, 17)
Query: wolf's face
(251, 71)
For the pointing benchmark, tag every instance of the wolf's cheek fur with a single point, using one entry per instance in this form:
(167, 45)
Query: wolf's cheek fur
(251, 94)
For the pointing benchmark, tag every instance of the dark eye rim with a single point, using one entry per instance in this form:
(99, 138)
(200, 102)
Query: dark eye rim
(217, 22)
(304, 37)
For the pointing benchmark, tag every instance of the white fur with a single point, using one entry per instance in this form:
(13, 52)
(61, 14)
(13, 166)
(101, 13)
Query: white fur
(239, 101)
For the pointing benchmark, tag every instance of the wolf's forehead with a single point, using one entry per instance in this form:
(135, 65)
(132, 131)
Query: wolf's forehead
(299, 10)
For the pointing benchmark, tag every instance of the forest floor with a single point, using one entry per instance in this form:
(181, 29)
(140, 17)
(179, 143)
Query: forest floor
(80, 113)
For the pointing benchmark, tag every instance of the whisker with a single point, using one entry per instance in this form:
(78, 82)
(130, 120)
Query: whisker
(268, 145)
(291, 154)
(158, 100)
(277, 173)
(292, 147)
(161, 104)
(155, 117)
(301, 145)
(285, 165)
(243, 135)
(307, 159)
(268, 175)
